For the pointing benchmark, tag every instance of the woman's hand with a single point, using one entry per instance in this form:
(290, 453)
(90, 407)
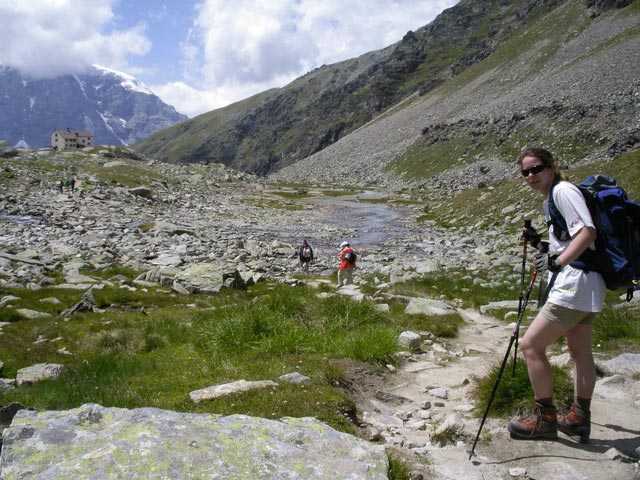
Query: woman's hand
(531, 236)
(544, 261)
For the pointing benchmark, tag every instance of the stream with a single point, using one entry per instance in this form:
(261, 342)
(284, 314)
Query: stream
(359, 218)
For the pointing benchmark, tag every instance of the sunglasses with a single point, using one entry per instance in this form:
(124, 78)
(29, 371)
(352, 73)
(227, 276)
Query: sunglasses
(535, 170)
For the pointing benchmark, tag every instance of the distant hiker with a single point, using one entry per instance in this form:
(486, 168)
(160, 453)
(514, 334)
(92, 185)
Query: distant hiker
(347, 258)
(305, 255)
(60, 186)
(72, 183)
(574, 298)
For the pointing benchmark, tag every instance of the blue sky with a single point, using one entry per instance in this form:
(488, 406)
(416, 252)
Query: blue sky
(199, 55)
(167, 24)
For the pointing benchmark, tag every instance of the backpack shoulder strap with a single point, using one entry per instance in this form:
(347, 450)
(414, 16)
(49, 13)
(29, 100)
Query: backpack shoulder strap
(560, 229)
(587, 260)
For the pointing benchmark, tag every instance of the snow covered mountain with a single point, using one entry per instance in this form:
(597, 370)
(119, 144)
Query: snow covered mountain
(116, 107)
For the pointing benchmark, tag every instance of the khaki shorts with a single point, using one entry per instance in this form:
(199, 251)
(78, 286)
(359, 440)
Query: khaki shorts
(566, 317)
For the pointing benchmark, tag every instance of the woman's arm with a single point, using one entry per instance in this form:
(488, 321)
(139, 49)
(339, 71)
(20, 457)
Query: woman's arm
(579, 243)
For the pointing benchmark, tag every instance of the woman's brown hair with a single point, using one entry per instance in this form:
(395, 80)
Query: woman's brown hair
(546, 157)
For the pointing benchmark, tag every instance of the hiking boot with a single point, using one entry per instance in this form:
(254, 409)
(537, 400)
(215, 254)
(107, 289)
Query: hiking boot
(575, 425)
(541, 423)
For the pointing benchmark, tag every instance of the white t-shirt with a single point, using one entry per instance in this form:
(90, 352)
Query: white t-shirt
(573, 288)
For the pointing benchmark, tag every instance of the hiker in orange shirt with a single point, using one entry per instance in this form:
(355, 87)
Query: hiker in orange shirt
(347, 258)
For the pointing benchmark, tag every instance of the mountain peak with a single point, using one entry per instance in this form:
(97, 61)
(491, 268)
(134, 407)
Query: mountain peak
(128, 81)
(116, 107)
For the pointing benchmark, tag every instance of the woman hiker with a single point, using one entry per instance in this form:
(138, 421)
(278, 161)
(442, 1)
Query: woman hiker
(574, 298)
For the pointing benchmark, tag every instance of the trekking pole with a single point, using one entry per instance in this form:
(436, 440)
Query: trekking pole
(527, 224)
(513, 339)
(541, 293)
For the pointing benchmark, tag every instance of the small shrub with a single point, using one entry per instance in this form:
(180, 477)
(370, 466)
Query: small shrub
(447, 436)
(120, 340)
(514, 394)
(373, 344)
(334, 374)
(154, 341)
(9, 315)
(457, 286)
(398, 470)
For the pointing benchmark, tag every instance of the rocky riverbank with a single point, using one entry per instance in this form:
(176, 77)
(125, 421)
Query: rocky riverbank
(165, 219)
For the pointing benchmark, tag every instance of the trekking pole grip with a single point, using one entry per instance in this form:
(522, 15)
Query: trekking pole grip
(526, 225)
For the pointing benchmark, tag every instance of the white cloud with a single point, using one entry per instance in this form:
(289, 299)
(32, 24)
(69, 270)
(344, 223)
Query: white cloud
(239, 48)
(249, 40)
(234, 48)
(192, 102)
(54, 37)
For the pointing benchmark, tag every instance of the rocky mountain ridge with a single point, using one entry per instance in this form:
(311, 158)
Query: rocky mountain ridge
(481, 81)
(114, 106)
(328, 103)
(570, 94)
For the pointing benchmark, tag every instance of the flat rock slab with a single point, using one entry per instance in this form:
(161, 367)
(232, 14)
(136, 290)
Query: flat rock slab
(148, 443)
(225, 389)
(428, 306)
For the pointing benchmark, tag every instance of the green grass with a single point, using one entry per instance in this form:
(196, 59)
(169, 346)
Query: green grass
(616, 328)
(398, 469)
(128, 175)
(483, 208)
(121, 357)
(422, 160)
(297, 194)
(461, 287)
(340, 192)
(514, 395)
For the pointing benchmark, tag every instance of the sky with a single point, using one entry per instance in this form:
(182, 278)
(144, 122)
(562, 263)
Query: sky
(200, 55)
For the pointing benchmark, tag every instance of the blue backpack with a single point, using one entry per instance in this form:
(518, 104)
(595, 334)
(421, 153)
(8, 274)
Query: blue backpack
(617, 220)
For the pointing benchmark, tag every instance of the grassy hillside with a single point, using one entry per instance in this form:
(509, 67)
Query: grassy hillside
(512, 199)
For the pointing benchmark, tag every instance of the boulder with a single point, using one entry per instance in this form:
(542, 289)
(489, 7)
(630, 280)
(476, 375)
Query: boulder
(38, 372)
(148, 443)
(143, 192)
(428, 306)
(202, 277)
(225, 389)
(625, 364)
(410, 339)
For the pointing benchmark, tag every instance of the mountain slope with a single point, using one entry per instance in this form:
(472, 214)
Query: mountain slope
(325, 105)
(117, 108)
(568, 81)
(478, 83)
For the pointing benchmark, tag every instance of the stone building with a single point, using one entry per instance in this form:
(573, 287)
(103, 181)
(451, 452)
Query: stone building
(67, 139)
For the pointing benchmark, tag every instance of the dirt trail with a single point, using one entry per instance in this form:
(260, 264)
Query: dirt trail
(612, 453)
